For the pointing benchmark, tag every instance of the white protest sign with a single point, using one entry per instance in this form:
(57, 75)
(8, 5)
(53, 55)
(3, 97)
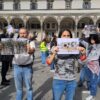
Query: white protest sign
(89, 29)
(68, 46)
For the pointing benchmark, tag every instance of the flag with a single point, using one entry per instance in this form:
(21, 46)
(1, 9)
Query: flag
(94, 67)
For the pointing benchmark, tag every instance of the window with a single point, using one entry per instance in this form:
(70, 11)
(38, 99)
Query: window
(1, 4)
(16, 5)
(68, 4)
(86, 4)
(20, 25)
(33, 4)
(38, 26)
(35, 26)
(48, 26)
(53, 25)
(50, 4)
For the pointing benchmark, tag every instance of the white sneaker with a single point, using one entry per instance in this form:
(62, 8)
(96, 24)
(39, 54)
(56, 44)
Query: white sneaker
(90, 97)
(52, 70)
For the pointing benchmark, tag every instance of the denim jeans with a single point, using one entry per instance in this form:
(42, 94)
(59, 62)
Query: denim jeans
(23, 74)
(52, 65)
(93, 79)
(99, 80)
(59, 86)
(84, 76)
(43, 57)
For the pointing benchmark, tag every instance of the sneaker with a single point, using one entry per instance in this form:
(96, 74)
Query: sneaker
(52, 70)
(90, 97)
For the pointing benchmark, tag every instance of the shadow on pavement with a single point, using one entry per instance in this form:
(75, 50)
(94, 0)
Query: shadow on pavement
(6, 92)
(42, 90)
(78, 93)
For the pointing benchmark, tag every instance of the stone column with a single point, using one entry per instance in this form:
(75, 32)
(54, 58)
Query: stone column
(75, 30)
(41, 23)
(95, 20)
(76, 25)
(9, 19)
(59, 20)
(25, 19)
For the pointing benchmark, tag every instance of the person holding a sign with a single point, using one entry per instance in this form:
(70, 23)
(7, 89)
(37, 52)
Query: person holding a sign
(6, 61)
(23, 68)
(64, 75)
(92, 65)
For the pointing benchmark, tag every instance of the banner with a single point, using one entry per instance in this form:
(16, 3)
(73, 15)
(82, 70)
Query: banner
(68, 46)
(13, 46)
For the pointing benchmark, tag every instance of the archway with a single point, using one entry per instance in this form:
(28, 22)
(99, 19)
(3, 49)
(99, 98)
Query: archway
(98, 23)
(33, 24)
(17, 23)
(3, 23)
(67, 23)
(50, 25)
(84, 21)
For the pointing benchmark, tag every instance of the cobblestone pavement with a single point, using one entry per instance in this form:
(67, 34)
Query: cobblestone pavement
(42, 84)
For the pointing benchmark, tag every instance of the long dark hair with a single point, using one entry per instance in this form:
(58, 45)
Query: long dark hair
(53, 42)
(60, 33)
(94, 37)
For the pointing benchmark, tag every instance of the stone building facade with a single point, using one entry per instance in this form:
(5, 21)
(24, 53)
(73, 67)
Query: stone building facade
(49, 16)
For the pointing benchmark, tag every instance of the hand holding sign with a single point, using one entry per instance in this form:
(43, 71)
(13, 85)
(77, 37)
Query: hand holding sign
(82, 49)
(56, 49)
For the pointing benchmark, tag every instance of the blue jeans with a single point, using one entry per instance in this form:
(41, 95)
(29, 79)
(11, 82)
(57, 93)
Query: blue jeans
(43, 57)
(52, 65)
(84, 76)
(93, 79)
(23, 74)
(99, 80)
(59, 86)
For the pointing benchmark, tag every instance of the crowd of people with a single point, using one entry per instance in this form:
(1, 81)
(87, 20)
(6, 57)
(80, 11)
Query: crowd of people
(62, 65)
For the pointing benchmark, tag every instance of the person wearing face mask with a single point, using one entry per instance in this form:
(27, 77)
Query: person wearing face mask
(64, 76)
(92, 64)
